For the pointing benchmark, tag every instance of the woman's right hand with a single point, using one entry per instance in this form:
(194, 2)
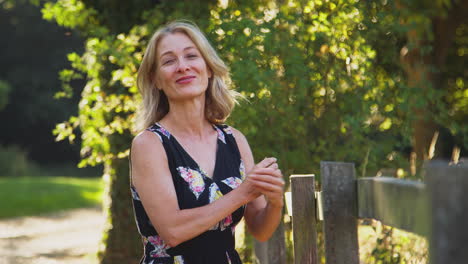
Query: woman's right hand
(264, 167)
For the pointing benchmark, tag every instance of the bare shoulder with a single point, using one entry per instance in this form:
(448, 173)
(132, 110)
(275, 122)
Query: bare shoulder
(243, 145)
(146, 141)
(147, 152)
(240, 138)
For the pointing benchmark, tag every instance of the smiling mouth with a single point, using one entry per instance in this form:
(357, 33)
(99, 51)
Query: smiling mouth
(185, 79)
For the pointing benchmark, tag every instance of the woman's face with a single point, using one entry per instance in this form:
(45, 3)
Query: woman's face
(182, 72)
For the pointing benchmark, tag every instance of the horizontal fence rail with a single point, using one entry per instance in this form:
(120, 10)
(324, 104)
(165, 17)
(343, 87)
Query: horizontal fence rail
(436, 209)
(394, 202)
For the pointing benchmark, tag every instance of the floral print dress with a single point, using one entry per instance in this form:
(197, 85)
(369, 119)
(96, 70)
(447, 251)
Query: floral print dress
(194, 189)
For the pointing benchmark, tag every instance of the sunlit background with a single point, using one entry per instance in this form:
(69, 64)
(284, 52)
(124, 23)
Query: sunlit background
(382, 84)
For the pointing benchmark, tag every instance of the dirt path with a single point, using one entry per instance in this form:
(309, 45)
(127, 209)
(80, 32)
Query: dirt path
(70, 237)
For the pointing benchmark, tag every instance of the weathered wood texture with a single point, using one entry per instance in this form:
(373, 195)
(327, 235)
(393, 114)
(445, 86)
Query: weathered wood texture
(272, 251)
(398, 203)
(303, 219)
(340, 212)
(449, 198)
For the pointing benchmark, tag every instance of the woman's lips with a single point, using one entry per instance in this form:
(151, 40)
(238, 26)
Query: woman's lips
(185, 79)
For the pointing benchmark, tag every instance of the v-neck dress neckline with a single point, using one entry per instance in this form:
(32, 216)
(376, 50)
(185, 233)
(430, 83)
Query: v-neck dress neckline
(205, 174)
(194, 189)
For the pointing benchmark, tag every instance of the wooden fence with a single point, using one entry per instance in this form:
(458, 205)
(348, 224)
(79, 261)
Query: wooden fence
(437, 209)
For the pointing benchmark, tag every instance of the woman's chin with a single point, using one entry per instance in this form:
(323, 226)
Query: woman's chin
(189, 95)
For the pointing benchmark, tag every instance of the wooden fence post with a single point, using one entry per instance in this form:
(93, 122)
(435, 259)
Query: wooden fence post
(448, 189)
(303, 219)
(272, 251)
(340, 212)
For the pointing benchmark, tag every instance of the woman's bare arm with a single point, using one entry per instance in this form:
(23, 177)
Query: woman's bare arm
(153, 181)
(261, 216)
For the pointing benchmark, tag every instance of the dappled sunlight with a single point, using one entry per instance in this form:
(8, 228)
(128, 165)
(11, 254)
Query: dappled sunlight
(368, 82)
(390, 245)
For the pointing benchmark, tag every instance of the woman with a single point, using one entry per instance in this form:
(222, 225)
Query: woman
(189, 182)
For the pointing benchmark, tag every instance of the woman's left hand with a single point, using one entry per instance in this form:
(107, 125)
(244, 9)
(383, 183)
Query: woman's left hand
(271, 184)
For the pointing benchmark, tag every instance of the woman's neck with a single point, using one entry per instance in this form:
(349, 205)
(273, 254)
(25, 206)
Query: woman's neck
(187, 119)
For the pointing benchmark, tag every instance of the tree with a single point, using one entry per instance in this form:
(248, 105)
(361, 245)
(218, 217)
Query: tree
(32, 51)
(109, 98)
(323, 78)
(4, 90)
(430, 36)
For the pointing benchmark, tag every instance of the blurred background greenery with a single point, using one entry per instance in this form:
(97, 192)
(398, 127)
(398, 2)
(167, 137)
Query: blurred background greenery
(382, 84)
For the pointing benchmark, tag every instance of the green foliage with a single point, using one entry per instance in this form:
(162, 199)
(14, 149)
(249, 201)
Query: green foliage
(14, 162)
(307, 68)
(32, 51)
(456, 86)
(37, 195)
(72, 14)
(110, 62)
(386, 250)
(4, 90)
(325, 79)
(380, 244)
(310, 73)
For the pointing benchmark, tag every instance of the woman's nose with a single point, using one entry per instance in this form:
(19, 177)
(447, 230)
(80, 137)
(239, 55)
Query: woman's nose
(183, 65)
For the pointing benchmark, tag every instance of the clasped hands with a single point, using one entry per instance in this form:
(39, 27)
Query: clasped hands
(266, 178)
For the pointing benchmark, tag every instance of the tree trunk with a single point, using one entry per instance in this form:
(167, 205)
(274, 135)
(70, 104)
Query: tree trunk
(419, 78)
(121, 242)
(417, 67)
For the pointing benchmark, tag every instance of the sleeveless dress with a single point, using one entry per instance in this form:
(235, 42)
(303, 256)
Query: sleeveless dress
(194, 189)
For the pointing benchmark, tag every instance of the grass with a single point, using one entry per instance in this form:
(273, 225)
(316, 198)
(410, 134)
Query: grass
(24, 196)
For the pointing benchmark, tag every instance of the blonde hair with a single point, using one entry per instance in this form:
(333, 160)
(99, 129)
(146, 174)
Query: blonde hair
(220, 99)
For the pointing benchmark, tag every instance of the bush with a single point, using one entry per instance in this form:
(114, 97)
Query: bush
(5, 88)
(14, 162)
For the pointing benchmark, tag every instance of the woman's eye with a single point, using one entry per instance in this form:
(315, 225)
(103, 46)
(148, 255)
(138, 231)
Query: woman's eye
(192, 56)
(168, 61)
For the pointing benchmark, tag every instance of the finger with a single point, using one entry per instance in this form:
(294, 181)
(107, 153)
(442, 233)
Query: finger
(268, 171)
(265, 187)
(268, 185)
(279, 173)
(265, 162)
(273, 195)
(267, 178)
(273, 166)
